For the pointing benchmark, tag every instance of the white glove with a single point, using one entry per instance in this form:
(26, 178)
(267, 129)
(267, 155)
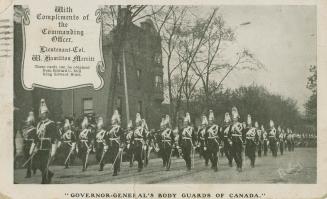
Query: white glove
(73, 146)
(128, 145)
(59, 144)
(32, 148)
(144, 147)
(120, 149)
(105, 148)
(205, 148)
(53, 150)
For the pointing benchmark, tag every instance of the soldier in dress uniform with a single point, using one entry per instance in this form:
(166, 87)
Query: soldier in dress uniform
(226, 136)
(186, 141)
(265, 141)
(115, 139)
(101, 147)
(211, 141)
(85, 142)
(130, 144)
(281, 139)
(159, 144)
(259, 139)
(46, 143)
(236, 137)
(293, 136)
(201, 140)
(68, 145)
(139, 139)
(29, 136)
(167, 142)
(148, 143)
(250, 141)
(272, 138)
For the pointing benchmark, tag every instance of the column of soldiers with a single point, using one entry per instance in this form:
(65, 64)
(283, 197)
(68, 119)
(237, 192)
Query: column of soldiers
(109, 144)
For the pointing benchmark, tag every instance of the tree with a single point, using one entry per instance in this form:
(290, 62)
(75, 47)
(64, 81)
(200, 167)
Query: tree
(212, 59)
(311, 104)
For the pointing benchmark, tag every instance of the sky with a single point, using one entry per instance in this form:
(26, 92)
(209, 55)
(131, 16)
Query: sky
(283, 38)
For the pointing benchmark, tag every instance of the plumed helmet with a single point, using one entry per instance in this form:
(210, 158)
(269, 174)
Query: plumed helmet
(162, 123)
(67, 124)
(130, 124)
(138, 120)
(85, 122)
(167, 121)
(100, 123)
(279, 128)
(204, 120)
(187, 118)
(249, 119)
(211, 116)
(30, 118)
(271, 123)
(227, 117)
(43, 107)
(144, 124)
(235, 114)
(256, 124)
(115, 119)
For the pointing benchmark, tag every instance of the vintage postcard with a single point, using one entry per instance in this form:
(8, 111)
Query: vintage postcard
(163, 99)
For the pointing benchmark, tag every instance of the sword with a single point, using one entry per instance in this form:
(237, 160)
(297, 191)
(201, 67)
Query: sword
(102, 156)
(118, 154)
(29, 159)
(193, 157)
(87, 157)
(171, 152)
(68, 156)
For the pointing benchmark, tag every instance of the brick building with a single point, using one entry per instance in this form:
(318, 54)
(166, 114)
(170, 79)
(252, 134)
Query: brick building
(144, 75)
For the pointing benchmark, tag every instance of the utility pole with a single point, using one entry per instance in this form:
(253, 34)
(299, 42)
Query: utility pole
(125, 87)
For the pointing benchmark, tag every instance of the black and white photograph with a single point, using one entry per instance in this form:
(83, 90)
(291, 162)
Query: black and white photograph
(164, 94)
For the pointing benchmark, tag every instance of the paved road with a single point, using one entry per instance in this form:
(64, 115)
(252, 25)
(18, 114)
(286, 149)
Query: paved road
(293, 167)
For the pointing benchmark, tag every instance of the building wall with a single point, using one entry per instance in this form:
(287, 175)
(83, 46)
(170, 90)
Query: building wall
(142, 45)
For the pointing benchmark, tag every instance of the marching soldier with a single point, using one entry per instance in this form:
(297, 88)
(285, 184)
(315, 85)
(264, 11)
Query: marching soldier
(237, 139)
(250, 141)
(265, 141)
(272, 138)
(159, 143)
(68, 142)
(101, 147)
(130, 144)
(259, 139)
(46, 146)
(139, 139)
(186, 141)
(211, 140)
(167, 141)
(201, 140)
(147, 143)
(86, 141)
(226, 131)
(115, 139)
(281, 137)
(293, 136)
(29, 136)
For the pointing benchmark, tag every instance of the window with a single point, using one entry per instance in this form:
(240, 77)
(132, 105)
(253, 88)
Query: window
(138, 74)
(158, 81)
(139, 107)
(119, 105)
(87, 105)
(119, 73)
